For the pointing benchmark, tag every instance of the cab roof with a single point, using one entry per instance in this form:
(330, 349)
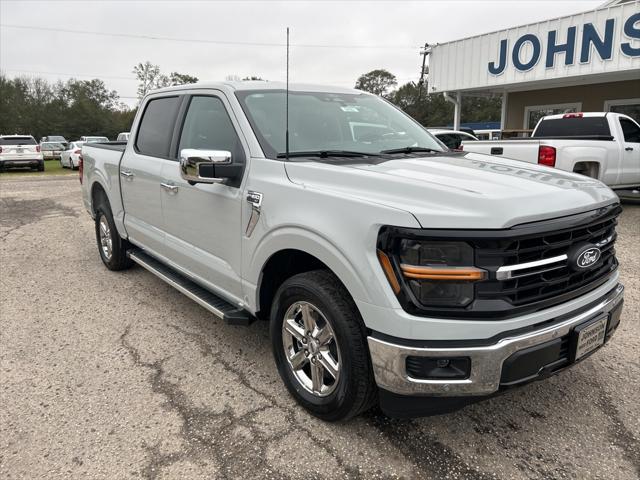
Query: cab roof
(250, 85)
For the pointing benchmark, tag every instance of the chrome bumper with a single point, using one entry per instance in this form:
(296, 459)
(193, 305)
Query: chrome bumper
(389, 360)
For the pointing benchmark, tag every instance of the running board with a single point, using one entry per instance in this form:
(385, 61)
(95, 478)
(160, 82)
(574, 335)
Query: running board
(221, 308)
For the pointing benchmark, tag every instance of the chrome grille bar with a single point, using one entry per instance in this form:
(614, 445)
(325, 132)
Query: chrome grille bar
(508, 272)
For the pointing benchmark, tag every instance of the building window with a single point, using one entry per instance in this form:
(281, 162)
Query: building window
(533, 113)
(627, 106)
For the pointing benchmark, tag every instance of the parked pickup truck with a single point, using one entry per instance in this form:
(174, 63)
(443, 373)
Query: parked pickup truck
(391, 270)
(605, 146)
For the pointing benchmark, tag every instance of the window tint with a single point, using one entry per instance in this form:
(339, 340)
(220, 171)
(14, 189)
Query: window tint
(17, 141)
(574, 127)
(156, 127)
(208, 126)
(630, 130)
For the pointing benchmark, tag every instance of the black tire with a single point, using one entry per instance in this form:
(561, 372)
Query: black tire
(41, 167)
(118, 259)
(355, 390)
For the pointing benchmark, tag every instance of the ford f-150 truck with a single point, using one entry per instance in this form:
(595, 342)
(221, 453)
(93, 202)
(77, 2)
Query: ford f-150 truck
(392, 270)
(605, 146)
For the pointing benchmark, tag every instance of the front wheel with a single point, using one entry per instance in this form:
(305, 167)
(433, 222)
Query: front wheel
(319, 344)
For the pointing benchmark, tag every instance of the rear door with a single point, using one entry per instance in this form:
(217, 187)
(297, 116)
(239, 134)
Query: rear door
(630, 152)
(203, 221)
(140, 172)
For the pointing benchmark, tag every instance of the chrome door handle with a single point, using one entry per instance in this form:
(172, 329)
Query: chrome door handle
(169, 188)
(126, 174)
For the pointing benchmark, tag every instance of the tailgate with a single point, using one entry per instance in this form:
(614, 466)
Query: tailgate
(523, 150)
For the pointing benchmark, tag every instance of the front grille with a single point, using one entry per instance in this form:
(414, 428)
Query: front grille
(554, 281)
(529, 267)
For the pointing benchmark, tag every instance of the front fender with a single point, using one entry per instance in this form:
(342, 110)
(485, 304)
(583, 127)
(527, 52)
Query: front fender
(358, 273)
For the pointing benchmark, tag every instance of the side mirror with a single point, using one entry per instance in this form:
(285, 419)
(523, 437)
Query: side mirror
(199, 166)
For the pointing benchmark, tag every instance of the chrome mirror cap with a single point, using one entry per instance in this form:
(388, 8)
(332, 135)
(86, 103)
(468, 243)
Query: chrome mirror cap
(194, 164)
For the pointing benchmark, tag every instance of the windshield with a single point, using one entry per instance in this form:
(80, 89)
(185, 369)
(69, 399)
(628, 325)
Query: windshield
(355, 122)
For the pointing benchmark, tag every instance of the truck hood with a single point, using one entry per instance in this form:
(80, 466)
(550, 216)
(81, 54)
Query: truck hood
(458, 190)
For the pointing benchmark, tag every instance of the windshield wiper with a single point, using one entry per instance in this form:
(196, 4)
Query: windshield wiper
(410, 150)
(326, 154)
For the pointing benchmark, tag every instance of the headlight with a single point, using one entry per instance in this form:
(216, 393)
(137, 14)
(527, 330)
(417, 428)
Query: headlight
(437, 273)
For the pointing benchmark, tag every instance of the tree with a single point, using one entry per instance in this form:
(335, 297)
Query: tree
(33, 106)
(150, 78)
(182, 78)
(434, 111)
(378, 82)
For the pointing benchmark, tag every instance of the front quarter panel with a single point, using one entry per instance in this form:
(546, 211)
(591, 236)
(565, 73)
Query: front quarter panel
(338, 230)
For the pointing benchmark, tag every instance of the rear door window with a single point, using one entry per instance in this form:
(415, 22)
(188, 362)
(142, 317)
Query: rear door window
(156, 127)
(630, 130)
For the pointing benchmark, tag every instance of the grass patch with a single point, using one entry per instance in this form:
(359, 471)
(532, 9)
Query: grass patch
(51, 167)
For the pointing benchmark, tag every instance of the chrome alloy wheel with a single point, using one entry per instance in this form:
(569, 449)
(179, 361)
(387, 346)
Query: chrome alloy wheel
(106, 244)
(311, 349)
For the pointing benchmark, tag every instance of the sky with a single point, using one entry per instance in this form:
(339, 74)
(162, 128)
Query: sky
(332, 42)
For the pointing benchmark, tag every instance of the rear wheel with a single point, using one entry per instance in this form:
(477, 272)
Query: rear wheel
(112, 247)
(319, 344)
(41, 167)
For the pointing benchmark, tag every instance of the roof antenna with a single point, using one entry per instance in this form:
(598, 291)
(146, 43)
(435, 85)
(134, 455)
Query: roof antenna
(286, 108)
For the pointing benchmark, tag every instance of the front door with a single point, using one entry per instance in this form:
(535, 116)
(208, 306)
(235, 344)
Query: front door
(140, 173)
(630, 172)
(203, 221)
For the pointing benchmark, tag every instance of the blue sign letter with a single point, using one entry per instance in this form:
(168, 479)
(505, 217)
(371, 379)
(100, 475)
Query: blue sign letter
(568, 48)
(515, 55)
(604, 47)
(503, 60)
(631, 31)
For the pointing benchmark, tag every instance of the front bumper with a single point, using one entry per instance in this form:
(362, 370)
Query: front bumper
(390, 359)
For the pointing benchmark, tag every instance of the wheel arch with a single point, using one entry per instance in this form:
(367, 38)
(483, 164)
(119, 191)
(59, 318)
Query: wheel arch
(295, 252)
(97, 192)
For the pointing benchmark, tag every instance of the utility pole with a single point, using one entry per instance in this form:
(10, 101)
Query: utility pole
(426, 50)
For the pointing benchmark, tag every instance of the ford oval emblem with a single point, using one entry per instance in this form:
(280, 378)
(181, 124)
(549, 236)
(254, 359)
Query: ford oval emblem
(588, 257)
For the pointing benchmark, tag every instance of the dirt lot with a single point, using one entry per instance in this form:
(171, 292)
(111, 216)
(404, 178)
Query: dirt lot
(117, 375)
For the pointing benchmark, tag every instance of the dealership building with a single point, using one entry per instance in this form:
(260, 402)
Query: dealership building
(589, 61)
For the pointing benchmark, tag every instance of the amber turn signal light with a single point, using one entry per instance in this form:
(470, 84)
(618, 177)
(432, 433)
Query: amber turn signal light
(388, 271)
(443, 273)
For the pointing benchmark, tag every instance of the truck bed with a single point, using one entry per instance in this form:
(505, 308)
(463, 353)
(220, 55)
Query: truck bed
(117, 146)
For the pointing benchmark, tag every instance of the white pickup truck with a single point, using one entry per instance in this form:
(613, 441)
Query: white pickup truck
(391, 270)
(605, 146)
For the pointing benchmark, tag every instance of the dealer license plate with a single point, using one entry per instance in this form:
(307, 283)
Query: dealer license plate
(591, 337)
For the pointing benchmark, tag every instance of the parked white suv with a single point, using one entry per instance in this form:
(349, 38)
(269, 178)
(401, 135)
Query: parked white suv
(19, 151)
(391, 270)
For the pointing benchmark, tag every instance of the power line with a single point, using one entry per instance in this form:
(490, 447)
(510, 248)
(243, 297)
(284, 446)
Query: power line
(87, 75)
(216, 42)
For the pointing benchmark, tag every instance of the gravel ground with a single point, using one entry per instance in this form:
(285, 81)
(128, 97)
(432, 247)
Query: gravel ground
(117, 375)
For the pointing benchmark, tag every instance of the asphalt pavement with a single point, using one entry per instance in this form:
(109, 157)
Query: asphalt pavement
(117, 375)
